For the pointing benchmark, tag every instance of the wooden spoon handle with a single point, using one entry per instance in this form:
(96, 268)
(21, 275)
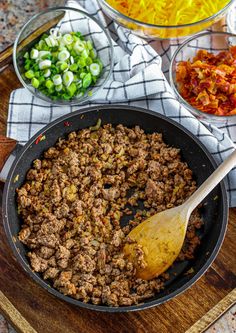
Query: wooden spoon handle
(6, 55)
(210, 183)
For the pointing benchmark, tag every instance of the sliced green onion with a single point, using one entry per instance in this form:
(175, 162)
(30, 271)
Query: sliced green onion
(87, 80)
(89, 44)
(62, 47)
(89, 61)
(45, 64)
(27, 67)
(73, 54)
(34, 54)
(94, 78)
(49, 84)
(47, 72)
(82, 63)
(94, 69)
(66, 97)
(41, 79)
(43, 54)
(64, 66)
(68, 78)
(82, 75)
(72, 89)
(76, 79)
(35, 67)
(63, 55)
(59, 87)
(85, 54)
(35, 82)
(79, 84)
(48, 41)
(79, 35)
(53, 41)
(97, 126)
(78, 46)
(41, 44)
(74, 67)
(55, 33)
(44, 36)
(67, 39)
(93, 54)
(29, 74)
(54, 70)
(26, 55)
(57, 80)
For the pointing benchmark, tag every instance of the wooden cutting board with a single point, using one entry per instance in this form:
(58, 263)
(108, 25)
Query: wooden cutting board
(31, 309)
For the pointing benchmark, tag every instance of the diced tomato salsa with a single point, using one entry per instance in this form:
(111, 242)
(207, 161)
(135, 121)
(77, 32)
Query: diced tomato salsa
(208, 82)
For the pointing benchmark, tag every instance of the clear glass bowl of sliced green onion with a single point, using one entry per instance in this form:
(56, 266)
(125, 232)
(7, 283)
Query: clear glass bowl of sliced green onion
(63, 56)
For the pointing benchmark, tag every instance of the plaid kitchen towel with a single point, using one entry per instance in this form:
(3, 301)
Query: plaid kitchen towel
(137, 80)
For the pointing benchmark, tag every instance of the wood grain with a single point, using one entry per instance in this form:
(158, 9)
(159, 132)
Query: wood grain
(6, 147)
(47, 314)
(8, 82)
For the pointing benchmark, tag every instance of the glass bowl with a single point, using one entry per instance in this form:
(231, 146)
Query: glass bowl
(213, 42)
(230, 19)
(64, 20)
(153, 31)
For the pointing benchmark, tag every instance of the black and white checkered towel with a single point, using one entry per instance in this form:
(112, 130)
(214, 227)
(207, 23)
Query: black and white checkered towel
(137, 80)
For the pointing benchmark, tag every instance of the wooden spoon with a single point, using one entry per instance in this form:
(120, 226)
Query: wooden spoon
(162, 235)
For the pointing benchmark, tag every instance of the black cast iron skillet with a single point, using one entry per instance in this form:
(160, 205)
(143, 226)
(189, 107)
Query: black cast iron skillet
(214, 210)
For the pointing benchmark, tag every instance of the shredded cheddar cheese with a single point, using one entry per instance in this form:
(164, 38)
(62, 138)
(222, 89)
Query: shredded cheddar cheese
(168, 12)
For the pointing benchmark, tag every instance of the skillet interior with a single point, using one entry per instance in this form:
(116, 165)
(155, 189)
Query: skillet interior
(214, 210)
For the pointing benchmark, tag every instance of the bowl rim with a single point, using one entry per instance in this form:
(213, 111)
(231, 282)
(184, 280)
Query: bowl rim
(44, 97)
(149, 25)
(229, 21)
(173, 85)
(105, 308)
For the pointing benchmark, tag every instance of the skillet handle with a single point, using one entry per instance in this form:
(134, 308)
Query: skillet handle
(8, 150)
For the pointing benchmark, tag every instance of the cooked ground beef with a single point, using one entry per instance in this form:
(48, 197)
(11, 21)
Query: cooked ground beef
(73, 200)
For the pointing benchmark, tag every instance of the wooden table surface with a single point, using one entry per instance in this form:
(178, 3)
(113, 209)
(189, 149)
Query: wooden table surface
(30, 308)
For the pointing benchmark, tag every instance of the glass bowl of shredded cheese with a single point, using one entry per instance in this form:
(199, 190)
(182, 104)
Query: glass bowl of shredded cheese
(203, 76)
(162, 19)
(63, 56)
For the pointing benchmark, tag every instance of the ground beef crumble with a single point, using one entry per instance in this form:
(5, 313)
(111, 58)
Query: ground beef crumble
(73, 200)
